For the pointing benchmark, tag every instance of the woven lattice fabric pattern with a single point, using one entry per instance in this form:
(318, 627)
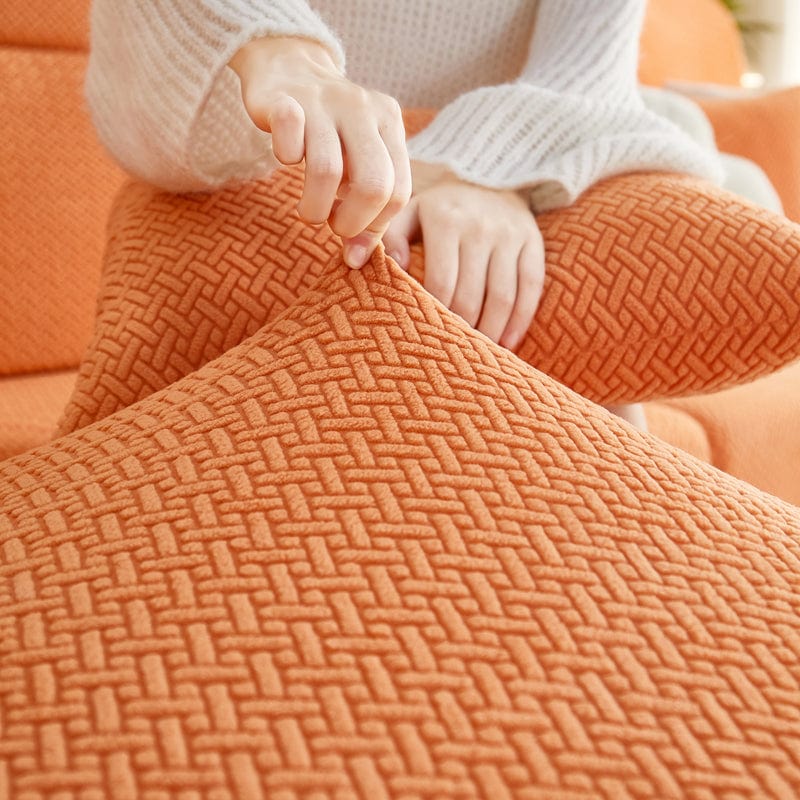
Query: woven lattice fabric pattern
(187, 277)
(369, 554)
(657, 285)
(664, 286)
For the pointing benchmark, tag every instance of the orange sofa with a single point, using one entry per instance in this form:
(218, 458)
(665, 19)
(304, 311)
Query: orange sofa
(63, 184)
(351, 548)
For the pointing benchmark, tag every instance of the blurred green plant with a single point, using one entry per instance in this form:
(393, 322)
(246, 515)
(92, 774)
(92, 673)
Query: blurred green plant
(738, 9)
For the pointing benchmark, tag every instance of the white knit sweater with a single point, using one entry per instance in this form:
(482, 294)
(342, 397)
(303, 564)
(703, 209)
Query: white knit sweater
(540, 96)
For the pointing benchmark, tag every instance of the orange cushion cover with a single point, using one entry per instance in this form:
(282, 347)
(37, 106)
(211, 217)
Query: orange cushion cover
(657, 285)
(367, 553)
(754, 431)
(677, 427)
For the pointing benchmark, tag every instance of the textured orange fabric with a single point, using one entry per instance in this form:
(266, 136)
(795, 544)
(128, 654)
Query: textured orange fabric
(30, 406)
(369, 554)
(43, 23)
(657, 285)
(691, 40)
(57, 188)
(754, 431)
(765, 129)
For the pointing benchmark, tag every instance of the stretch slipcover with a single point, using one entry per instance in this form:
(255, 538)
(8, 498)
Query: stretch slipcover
(369, 554)
(656, 285)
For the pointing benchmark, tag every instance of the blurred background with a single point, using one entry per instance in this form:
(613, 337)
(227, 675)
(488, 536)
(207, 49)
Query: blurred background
(771, 32)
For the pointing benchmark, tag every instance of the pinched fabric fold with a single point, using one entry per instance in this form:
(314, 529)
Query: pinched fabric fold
(657, 285)
(367, 553)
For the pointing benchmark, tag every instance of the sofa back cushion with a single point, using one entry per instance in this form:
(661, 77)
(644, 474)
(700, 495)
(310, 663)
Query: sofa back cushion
(43, 23)
(763, 128)
(57, 185)
(690, 40)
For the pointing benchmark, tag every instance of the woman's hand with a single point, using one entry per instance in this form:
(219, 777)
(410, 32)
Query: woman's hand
(484, 256)
(357, 173)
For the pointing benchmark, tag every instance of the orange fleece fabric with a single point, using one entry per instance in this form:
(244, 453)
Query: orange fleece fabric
(656, 285)
(369, 554)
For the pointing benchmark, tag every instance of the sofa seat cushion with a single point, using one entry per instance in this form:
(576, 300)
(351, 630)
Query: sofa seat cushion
(368, 553)
(30, 407)
(678, 428)
(656, 285)
(754, 430)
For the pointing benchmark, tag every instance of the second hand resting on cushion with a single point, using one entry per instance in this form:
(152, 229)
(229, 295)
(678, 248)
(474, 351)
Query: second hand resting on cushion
(484, 253)
(561, 112)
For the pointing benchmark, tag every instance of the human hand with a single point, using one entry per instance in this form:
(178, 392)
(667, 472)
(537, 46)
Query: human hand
(357, 173)
(484, 255)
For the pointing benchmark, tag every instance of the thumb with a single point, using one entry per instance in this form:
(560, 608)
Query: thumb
(401, 232)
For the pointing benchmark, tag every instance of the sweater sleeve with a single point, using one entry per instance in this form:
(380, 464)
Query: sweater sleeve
(573, 117)
(161, 96)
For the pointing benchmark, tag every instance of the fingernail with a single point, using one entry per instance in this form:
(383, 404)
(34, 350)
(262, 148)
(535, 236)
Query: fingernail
(395, 256)
(355, 256)
(511, 341)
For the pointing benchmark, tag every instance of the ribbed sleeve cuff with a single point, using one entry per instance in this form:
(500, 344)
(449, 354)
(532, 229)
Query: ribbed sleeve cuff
(181, 123)
(518, 136)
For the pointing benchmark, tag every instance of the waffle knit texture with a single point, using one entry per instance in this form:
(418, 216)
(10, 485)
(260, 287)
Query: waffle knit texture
(537, 96)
